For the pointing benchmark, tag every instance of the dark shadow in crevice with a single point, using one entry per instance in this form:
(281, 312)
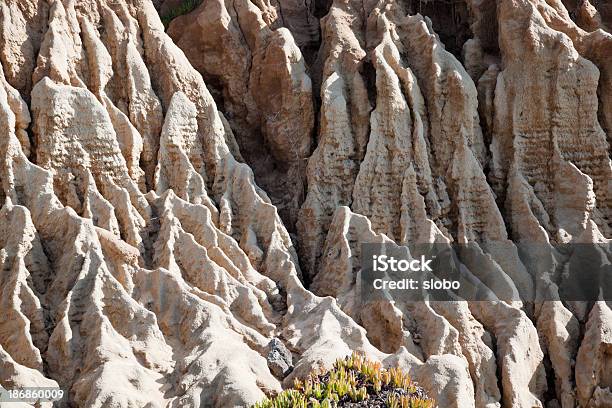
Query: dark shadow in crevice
(450, 20)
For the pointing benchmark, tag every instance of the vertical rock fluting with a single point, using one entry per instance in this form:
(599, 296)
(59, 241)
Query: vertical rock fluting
(343, 127)
(564, 132)
(259, 76)
(166, 195)
(107, 297)
(448, 146)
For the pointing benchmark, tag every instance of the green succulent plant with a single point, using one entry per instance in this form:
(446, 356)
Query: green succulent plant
(353, 379)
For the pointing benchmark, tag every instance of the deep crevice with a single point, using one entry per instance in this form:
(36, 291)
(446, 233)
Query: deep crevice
(450, 20)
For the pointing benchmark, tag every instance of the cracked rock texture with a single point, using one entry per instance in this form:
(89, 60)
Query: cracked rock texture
(183, 211)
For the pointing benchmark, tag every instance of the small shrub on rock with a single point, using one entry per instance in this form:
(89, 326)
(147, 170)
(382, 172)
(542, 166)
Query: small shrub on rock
(353, 382)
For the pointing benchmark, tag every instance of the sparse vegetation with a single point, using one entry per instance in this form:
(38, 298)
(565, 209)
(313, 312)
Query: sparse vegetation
(353, 382)
(186, 6)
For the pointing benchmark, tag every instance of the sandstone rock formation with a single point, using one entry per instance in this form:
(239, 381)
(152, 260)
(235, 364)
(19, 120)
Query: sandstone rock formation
(183, 211)
(259, 77)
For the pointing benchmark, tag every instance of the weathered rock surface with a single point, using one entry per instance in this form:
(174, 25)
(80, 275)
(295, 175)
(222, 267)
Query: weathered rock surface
(279, 358)
(182, 213)
(251, 60)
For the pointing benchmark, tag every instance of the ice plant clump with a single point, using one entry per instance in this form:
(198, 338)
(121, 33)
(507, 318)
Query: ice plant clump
(355, 382)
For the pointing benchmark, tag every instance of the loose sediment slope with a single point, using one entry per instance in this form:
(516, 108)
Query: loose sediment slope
(166, 196)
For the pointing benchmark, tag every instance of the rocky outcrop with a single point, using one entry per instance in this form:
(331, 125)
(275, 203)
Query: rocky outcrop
(565, 128)
(593, 360)
(252, 62)
(115, 296)
(183, 213)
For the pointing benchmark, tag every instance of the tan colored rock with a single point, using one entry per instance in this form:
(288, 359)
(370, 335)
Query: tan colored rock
(560, 331)
(262, 83)
(181, 165)
(150, 182)
(573, 134)
(21, 34)
(449, 386)
(23, 327)
(593, 360)
(343, 128)
(395, 143)
(518, 352)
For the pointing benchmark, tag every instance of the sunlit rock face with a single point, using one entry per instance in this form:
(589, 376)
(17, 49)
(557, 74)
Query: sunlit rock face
(173, 199)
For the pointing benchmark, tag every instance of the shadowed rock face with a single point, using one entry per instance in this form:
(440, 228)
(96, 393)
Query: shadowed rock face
(175, 202)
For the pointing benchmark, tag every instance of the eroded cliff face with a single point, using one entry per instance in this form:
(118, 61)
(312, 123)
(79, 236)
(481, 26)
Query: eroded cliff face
(174, 201)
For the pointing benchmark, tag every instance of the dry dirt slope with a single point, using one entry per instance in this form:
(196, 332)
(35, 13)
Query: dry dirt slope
(162, 208)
